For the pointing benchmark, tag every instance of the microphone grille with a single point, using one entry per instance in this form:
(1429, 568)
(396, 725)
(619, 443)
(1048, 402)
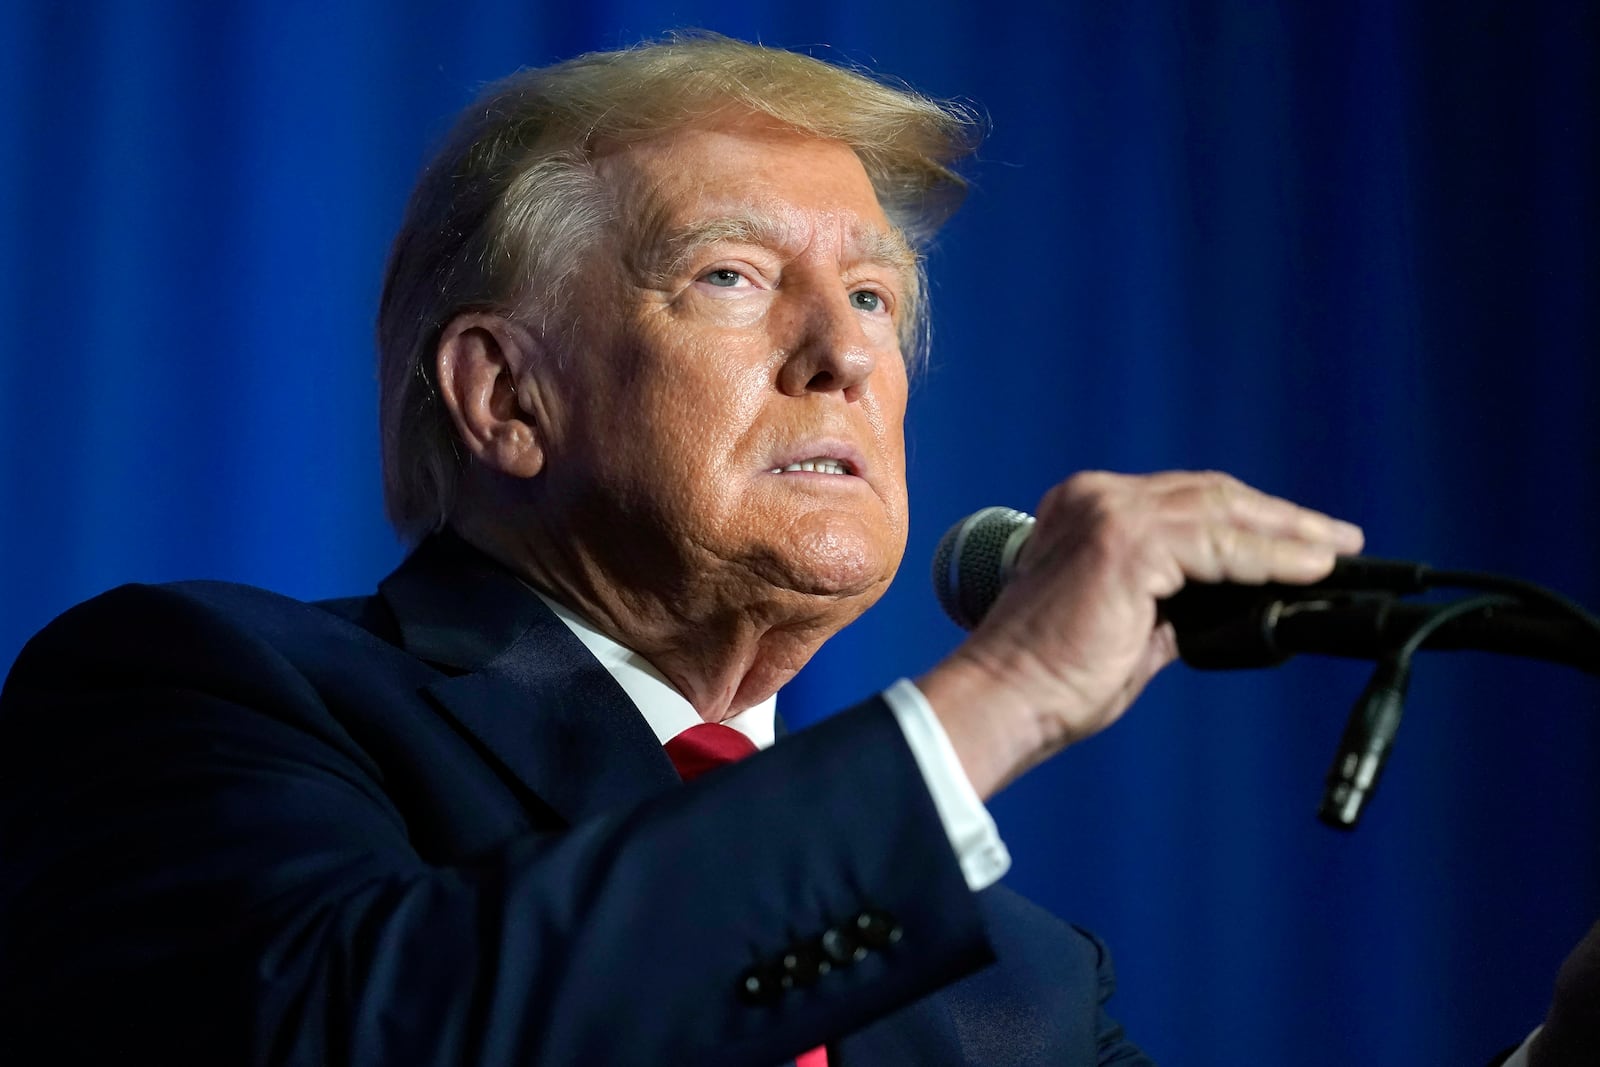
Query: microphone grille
(974, 559)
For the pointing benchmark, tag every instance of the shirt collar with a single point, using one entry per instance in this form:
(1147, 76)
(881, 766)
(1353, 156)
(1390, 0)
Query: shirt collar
(662, 706)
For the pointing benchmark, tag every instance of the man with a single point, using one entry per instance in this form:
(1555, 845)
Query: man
(644, 351)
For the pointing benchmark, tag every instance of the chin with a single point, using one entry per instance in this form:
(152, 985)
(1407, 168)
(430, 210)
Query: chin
(839, 560)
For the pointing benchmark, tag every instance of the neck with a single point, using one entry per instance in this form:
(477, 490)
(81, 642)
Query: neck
(726, 641)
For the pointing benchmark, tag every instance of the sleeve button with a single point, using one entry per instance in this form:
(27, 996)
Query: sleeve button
(803, 965)
(841, 946)
(758, 985)
(878, 929)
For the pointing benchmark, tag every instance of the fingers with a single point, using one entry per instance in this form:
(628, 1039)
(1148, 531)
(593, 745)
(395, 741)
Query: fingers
(1203, 526)
(1241, 534)
(1229, 554)
(1076, 634)
(1221, 497)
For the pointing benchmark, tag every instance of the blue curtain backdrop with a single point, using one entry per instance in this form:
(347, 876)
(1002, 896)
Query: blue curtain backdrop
(1344, 250)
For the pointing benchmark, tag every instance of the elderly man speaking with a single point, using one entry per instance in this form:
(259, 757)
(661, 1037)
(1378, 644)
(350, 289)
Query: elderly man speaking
(644, 350)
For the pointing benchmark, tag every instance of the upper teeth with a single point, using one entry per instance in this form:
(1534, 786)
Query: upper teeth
(819, 466)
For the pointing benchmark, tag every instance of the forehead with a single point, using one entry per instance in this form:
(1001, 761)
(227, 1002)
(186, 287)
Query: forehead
(740, 168)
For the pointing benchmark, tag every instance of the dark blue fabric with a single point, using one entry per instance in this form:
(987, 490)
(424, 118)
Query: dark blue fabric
(238, 829)
(1346, 251)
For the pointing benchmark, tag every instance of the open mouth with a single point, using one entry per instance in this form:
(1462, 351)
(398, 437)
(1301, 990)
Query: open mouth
(816, 466)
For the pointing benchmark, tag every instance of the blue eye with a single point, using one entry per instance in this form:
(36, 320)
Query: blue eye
(725, 279)
(865, 300)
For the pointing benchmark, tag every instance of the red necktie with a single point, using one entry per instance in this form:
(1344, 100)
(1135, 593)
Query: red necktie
(706, 746)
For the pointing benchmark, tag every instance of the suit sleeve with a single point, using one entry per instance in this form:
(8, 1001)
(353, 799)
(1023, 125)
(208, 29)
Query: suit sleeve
(199, 865)
(1112, 1047)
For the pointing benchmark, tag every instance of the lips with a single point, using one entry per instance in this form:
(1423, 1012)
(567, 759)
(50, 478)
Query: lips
(820, 465)
(836, 458)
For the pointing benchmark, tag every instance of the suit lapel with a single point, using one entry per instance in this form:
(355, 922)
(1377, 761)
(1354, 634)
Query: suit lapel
(524, 686)
(561, 725)
(530, 693)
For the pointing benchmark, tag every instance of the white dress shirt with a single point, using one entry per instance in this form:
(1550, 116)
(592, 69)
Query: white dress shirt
(967, 823)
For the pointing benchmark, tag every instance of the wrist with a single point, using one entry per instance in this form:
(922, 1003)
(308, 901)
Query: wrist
(996, 734)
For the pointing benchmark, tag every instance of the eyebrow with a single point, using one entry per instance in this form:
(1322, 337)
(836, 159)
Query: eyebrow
(673, 249)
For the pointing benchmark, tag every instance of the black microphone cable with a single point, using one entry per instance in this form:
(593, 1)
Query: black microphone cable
(1516, 589)
(1369, 734)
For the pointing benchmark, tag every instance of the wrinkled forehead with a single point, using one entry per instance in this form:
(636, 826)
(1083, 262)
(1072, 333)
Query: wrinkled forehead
(746, 180)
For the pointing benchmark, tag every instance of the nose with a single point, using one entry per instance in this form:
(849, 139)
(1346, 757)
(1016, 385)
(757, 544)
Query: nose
(829, 352)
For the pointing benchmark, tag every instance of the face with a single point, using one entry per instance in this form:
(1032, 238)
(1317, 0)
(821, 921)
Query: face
(728, 404)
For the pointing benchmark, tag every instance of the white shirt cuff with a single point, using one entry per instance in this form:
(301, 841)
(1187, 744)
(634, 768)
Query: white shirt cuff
(1519, 1058)
(967, 823)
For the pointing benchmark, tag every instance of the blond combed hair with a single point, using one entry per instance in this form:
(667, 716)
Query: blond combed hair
(505, 212)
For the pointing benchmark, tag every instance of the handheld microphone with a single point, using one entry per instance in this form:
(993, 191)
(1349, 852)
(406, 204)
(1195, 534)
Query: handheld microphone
(1218, 625)
(1355, 611)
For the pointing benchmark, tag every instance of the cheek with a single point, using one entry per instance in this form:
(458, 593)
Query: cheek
(689, 431)
(711, 401)
(888, 420)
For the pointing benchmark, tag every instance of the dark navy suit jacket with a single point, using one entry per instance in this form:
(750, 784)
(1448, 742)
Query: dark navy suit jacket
(427, 828)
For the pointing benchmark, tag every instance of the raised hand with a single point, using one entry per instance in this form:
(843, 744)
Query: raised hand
(1076, 635)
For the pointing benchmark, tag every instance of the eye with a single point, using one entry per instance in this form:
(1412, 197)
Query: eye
(722, 278)
(866, 300)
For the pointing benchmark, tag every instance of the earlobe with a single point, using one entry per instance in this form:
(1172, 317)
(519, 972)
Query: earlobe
(480, 360)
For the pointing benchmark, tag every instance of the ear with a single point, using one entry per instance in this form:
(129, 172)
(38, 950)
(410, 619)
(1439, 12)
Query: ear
(480, 359)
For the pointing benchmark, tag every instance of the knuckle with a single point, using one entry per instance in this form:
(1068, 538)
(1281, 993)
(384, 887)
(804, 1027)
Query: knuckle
(1230, 496)
(1119, 527)
(1082, 495)
(1222, 543)
(1085, 483)
(1221, 486)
